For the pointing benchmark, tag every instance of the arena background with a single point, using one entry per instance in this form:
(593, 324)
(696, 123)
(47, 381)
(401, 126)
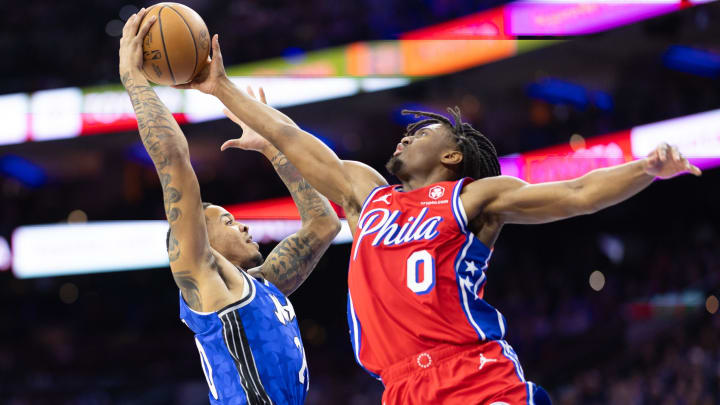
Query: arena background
(614, 308)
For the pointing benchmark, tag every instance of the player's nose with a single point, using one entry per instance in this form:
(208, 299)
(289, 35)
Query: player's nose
(407, 140)
(243, 227)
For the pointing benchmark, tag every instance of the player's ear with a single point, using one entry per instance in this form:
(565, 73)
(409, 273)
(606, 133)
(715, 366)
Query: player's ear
(452, 157)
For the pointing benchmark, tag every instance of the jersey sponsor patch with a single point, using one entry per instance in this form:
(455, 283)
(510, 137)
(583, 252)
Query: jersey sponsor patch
(436, 192)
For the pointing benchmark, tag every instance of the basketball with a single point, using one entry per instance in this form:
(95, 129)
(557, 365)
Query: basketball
(177, 46)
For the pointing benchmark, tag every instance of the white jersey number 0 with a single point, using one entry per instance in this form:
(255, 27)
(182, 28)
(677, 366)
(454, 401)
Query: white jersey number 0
(421, 272)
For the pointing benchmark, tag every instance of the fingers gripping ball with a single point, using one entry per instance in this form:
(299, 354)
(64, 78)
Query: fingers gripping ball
(177, 46)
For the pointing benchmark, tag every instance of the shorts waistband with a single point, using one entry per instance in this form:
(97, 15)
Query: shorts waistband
(425, 360)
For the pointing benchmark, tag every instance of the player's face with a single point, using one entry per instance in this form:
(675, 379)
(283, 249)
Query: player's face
(421, 151)
(231, 238)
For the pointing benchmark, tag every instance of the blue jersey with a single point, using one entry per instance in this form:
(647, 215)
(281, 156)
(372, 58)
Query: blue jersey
(250, 351)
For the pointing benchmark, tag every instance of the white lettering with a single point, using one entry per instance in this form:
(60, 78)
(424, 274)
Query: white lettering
(383, 223)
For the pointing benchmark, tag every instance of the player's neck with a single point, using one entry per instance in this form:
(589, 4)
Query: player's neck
(414, 183)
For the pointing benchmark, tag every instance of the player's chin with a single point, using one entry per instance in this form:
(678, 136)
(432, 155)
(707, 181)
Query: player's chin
(257, 259)
(394, 164)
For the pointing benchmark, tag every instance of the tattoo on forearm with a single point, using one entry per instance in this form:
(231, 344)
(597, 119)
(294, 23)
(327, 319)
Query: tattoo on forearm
(309, 202)
(188, 287)
(292, 260)
(159, 133)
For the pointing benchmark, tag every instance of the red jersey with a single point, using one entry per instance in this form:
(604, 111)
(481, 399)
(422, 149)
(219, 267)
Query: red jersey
(417, 277)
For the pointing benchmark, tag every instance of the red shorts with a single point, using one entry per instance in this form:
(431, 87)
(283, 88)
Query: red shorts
(483, 374)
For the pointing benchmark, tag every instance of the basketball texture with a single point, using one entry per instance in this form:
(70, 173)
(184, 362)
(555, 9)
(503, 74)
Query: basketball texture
(177, 46)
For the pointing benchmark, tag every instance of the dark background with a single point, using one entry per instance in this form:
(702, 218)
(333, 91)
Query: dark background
(122, 341)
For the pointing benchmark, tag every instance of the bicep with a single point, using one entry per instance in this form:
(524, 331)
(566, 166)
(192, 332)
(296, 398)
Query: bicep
(523, 203)
(188, 244)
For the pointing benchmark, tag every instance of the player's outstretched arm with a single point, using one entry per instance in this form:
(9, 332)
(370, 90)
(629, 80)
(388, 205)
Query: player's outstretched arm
(344, 182)
(293, 259)
(189, 249)
(514, 201)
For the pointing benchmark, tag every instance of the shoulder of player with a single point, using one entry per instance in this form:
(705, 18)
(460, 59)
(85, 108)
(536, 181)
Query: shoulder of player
(477, 196)
(491, 186)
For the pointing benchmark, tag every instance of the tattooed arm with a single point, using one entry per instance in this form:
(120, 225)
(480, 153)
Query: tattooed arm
(189, 250)
(293, 259)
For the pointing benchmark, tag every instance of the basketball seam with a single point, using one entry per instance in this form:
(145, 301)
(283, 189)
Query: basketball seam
(192, 35)
(162, 38)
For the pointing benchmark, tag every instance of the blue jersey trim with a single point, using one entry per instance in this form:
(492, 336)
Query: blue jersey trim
(461, 289)
(356, 336)
(509, 354)
(478, 248)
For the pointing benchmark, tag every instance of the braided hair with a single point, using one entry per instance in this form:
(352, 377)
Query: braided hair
(479, 155)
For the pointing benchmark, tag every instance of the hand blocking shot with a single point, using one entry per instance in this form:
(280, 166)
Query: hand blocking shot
(234, 301)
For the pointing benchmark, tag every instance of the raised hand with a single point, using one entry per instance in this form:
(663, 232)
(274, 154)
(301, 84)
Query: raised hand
(131, 54)
(666, 162)
(250, 140)
(209, 79)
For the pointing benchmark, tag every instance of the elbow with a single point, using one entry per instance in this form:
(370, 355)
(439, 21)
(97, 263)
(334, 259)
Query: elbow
(326, 228)
(586, 205)
(285, 131)
(175, 152)
(583, 202)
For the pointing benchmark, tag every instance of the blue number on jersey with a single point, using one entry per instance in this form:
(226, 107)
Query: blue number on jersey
(251, 352)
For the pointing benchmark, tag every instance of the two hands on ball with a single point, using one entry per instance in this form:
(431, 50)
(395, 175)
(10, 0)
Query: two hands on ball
(207, 80)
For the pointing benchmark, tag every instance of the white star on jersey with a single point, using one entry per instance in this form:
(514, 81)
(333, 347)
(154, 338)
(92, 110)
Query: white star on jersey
(465, 281)
(471, 267)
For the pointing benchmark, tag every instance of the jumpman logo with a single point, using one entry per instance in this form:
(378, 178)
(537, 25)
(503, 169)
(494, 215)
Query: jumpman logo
(383, 199)
(484, 360)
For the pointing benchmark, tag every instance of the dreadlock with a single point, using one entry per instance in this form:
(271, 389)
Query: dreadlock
(479, 155)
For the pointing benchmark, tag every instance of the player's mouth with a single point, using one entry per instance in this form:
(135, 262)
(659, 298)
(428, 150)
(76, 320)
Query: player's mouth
(399, 149)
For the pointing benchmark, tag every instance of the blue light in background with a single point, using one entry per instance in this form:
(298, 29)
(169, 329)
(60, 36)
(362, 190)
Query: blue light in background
(556, 91)
(293, 55)
(24, 171)
(603, 100)
(693, 61)
(137, 153)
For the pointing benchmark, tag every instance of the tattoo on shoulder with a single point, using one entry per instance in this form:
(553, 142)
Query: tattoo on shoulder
(189, 289)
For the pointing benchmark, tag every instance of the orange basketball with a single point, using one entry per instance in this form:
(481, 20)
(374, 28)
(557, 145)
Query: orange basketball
(177, 46)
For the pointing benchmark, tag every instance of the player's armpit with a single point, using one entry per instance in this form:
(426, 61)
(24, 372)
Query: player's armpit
(363, 180)
(512, 200)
